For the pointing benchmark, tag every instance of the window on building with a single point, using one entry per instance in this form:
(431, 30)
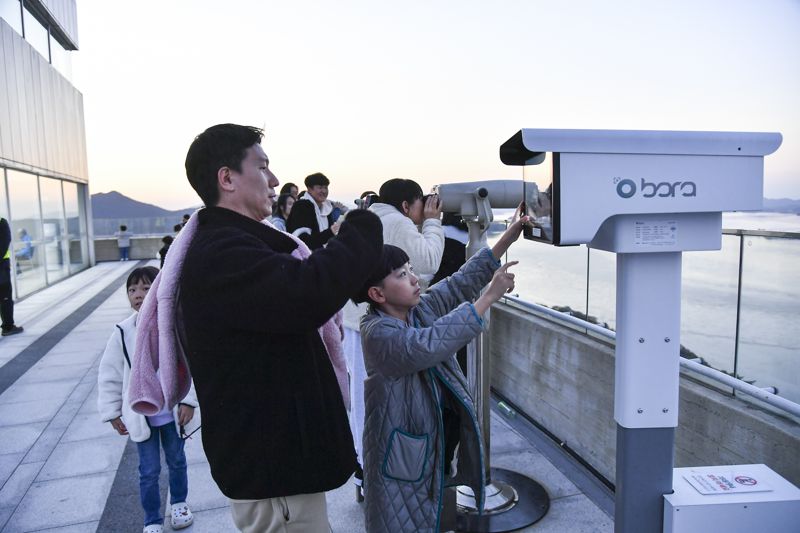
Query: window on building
(10, 12)
(54, 234)
(77, 236)
(36, 34)
(26, 231)
(60, 58)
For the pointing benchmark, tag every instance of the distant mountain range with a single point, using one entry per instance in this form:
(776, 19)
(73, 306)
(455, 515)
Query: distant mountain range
(110, 209)
(116, 205)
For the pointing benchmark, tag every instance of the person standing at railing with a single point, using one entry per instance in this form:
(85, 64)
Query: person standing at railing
(123, 242)
(6, 295)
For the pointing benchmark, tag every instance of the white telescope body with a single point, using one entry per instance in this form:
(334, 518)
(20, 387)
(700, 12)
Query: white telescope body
(596, 178)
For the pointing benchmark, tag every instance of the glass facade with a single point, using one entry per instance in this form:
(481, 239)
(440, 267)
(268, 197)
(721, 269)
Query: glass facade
(48, 229)
(38, 34)
(11, 13)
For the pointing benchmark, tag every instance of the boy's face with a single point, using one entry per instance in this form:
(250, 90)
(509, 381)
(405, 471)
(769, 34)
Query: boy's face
(399, 290)
(319, 193)
(137, 292)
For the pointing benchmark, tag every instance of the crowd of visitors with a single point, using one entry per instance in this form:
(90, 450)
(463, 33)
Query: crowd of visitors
(247, 308)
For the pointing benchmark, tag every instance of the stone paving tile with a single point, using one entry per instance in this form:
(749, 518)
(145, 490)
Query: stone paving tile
(62, 502)
(44, 445)
(8, 463)
(48, 372)
(85, 527)
(504, 438)
(13, 414)
(86, 427)
(575, 514)
(193, 448)
(5, 514)
(78, 458)
(66, 414)
(217, 520)
(23, 392)
(203, 492)
(17, 485)
(14, 439)
(345, 514)
(537, 467)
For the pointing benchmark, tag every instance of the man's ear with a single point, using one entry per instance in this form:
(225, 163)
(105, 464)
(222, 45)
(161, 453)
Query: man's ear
(225, 179)
(376, 295)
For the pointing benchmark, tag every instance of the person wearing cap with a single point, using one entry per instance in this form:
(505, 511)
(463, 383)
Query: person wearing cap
(314, 218)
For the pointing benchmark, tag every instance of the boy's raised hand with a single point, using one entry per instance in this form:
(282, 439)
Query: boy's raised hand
(502, 282)
(511, 234)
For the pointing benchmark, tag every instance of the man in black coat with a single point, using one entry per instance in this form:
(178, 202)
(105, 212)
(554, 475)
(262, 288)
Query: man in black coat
(275, 429)
(6, 297)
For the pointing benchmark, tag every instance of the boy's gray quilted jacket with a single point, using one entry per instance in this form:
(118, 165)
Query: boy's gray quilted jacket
(409, 372)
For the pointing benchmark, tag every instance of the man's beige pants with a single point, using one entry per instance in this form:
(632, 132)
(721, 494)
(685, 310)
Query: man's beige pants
(306, 513)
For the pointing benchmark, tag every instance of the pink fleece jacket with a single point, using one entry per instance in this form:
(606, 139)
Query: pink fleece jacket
(160, 374)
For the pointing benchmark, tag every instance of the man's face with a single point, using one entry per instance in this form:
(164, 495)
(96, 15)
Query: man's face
(319, 193)
(254, 186)
(401, 288)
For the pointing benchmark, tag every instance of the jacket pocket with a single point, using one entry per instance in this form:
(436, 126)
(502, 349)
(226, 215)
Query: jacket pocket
(405, 456)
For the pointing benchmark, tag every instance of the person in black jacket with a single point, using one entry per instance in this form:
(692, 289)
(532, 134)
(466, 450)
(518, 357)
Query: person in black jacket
(275, 429)
(6, 296)
(314, 218)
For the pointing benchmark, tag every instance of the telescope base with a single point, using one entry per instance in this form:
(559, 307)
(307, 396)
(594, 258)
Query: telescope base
(513, 501)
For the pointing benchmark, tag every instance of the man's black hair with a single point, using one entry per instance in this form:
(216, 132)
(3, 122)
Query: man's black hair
(317, 178)
(123, 228)
(167, 239)
(391, 258)
(396, 191)
(223, 145)
(146, 274)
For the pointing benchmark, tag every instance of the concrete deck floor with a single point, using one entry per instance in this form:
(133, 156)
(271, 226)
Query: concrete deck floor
(63, 470)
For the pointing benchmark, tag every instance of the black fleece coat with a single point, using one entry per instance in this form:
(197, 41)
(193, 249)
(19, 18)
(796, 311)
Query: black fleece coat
(274, 423)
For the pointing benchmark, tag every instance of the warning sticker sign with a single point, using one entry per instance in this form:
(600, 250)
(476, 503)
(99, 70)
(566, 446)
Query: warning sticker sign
(656, 233)
(725, 482)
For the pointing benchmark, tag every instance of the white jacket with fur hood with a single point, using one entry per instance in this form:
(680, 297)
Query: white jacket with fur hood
(112, 385)
(424, 245)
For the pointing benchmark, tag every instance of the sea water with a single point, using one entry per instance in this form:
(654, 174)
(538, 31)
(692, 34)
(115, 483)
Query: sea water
(768, 352)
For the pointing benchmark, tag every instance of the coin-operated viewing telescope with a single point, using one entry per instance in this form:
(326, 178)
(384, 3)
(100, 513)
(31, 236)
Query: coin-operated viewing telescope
(648, 196)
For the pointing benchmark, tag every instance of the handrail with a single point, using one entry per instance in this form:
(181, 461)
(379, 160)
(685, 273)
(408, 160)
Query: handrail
(737, 384)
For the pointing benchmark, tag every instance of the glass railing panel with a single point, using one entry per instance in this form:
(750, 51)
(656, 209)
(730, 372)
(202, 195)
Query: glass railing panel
(708, 303)
(603, 288)
(769, 345)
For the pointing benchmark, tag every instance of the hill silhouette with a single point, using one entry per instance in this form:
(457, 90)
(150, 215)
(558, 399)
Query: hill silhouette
(111, 209)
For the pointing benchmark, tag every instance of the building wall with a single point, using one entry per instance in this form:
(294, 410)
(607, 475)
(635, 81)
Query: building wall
(43, 167)
(41, 114)
(564, 380)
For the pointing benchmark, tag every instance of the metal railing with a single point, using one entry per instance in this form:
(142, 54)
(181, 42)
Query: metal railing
(742, 386)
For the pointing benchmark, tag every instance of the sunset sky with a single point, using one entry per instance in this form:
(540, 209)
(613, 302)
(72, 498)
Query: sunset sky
(367, 90)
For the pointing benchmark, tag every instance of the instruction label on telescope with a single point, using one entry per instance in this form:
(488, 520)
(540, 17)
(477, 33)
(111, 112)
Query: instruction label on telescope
(725, 482)
(656, 232)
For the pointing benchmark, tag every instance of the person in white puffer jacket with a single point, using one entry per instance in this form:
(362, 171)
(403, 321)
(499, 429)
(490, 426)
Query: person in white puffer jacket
(412, 224)
(165, 430)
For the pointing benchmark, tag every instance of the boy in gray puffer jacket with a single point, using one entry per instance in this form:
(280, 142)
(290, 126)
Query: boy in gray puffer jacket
(418, 408)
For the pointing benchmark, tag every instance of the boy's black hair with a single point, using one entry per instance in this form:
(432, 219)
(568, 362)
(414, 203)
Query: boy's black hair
(123, 228)
(396, 191)
(146, 274)
(287, 188)
(223, 145)
(167, 239)
(391, 258)
(317, 178)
